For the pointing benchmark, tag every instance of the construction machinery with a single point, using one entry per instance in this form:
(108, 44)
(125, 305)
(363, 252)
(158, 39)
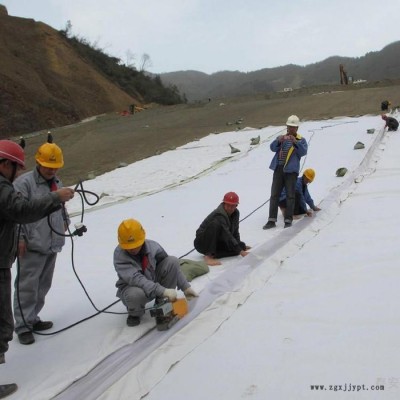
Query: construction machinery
(168, 314)
(343, 75)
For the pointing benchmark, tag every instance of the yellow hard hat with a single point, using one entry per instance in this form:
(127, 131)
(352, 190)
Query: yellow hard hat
(49, 155)
(309, 173)
(131, 234)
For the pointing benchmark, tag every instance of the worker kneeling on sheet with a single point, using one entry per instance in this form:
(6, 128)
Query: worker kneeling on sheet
(145, 271)
(302, 196)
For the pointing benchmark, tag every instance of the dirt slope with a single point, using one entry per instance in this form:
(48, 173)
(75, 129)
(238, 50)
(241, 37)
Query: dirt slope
(101, 144)
(43, 83)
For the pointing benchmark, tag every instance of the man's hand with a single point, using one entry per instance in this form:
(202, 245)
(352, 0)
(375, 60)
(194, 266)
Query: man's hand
(65, 194)
(189, 292)
(170, 294)
(244, 253)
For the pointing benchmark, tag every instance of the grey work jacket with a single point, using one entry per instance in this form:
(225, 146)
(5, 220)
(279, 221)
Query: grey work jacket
(130, 273)
(39, 237)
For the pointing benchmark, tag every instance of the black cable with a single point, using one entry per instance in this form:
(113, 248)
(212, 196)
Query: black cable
(84, 199)
(82, 192)
(83, 195)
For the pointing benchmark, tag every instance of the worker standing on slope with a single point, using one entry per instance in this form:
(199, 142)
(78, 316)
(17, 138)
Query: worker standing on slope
(288, 151)
(39, 244)
(14, 209)
(385, 105)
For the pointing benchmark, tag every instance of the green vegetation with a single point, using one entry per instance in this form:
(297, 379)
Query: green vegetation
(136, 83)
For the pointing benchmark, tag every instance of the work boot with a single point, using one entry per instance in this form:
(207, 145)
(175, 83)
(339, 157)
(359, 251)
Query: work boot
(42, 326)
(269, 225)
(6, 390)
(288, 224)
(132, 321)
(26, 338)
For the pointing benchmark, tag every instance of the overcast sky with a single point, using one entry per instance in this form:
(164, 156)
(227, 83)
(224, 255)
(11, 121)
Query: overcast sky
(218, 35)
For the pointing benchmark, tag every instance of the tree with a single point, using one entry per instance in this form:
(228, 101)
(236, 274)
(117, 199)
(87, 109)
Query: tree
(145, 62)
(130, 59)
(68, 29)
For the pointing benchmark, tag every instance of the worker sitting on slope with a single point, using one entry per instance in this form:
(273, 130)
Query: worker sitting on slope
(218, 235)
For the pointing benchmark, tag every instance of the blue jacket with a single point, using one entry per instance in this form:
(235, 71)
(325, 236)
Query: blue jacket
(298, 150)
(304, 194)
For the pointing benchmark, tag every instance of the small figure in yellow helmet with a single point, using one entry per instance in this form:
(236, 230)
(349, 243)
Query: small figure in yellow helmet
(145, 271)
(218, 235)
(38, 244)
(302, 195)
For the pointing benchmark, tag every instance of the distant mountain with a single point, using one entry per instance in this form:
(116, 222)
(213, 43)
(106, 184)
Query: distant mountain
(374, 66)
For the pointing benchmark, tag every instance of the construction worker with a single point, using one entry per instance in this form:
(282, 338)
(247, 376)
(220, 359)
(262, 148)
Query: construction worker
(145, 271)
(302, 196)
(39, 244)
(391, 123)
(385, 105)
(14, 209)
(218, 235)
(288, 151)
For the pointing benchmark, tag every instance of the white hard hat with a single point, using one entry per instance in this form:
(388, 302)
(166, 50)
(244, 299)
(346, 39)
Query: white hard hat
(293, 120)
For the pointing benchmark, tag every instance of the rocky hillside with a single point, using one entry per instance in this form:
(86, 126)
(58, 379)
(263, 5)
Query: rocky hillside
(45, 83)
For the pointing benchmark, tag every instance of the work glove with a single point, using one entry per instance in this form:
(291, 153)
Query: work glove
(170, 294)
(189, 292)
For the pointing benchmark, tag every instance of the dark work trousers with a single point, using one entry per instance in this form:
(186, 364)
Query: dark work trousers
(282, 180)
(392, 124)
(6, 316)
(168, 275)
(298, 209)
(214, 243)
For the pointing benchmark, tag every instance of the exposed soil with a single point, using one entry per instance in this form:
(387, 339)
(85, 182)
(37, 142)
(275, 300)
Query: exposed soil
(44, 82)
(101, 144)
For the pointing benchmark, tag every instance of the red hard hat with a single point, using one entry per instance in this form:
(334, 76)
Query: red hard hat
(12, 151)
(231, 198)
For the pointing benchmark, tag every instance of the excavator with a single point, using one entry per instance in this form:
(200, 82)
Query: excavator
(343, 75)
